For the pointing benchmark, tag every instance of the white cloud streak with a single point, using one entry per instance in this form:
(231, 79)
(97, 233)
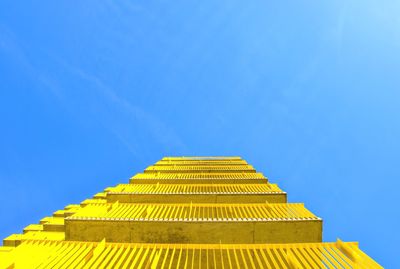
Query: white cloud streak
(114, 112)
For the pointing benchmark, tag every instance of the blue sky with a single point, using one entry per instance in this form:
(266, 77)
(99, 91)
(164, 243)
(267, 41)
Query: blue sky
(307, 91)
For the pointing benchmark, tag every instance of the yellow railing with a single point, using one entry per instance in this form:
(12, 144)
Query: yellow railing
(48, 254)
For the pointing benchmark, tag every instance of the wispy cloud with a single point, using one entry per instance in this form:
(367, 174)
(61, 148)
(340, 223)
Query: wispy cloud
(339, 29)
(131, 113)
(129, 123)
(11, 48)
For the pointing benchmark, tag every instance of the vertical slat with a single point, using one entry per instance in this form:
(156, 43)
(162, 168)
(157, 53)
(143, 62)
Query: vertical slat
(165, 258)
(172, 258)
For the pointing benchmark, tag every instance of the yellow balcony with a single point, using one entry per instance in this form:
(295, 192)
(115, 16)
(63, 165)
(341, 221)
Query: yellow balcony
(15, 240)
(199, 178)
(201, 162)
(200, 168)
(194, 223)
(47, 254)
(196, 193)
(202, 158)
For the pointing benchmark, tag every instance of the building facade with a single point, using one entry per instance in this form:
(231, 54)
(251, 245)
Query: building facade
(183, 212)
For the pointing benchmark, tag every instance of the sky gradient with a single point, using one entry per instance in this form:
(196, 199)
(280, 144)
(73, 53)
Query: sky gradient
(308, 92)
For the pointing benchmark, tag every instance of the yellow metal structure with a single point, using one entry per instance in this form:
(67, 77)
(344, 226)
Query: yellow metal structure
(195, 193)
(183, 212)
(199, 168)
(50, 254)
(199, 178)
(188, 223)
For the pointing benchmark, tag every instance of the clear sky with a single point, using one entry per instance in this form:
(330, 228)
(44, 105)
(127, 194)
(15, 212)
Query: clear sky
(307, 91)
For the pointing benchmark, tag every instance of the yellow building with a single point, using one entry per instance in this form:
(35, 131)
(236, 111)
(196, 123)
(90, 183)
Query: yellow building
(183, 212)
